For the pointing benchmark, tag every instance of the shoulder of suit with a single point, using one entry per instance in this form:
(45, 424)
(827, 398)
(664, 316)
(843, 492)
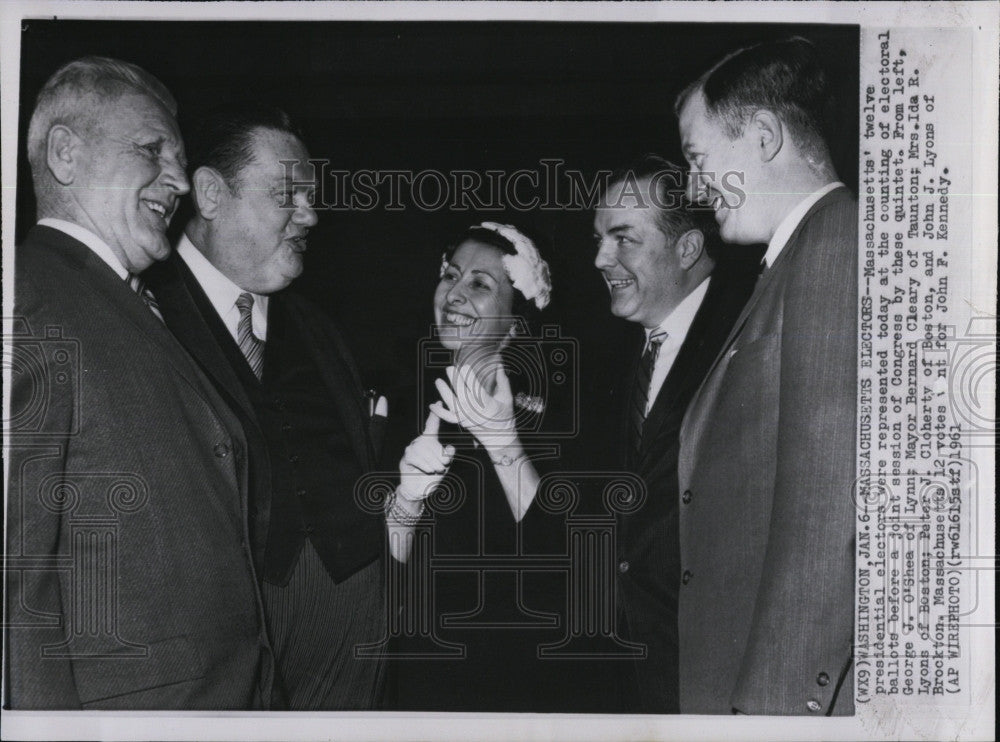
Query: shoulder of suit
(831, 225)
(42, 257)
(828, 252)
(838, 205)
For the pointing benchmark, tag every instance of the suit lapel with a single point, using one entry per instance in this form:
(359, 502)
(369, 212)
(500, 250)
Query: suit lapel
(628, 453)
(334, 362)
(672, 386)
(99, 279)
(190, 315)
(693, 421)
(771, 275)
(688, 361)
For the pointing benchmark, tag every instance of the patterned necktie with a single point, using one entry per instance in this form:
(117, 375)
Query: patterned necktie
(250, 346)
(640, 389)
(139, 286)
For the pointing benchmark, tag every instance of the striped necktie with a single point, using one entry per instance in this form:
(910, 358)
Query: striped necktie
(139, 286)
(640, 388)
(251, 348)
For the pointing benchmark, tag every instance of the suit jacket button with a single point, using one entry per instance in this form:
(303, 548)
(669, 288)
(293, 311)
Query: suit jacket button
(301, 492)
(623, 566)
(813, 705)
(686, 577)
(823, 679)
(221, 450)
(686, 497)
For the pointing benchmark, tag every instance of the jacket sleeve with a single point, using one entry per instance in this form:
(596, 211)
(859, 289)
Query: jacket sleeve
(799, 648)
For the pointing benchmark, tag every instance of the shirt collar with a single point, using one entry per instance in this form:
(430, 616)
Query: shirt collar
(791, 221)
(98, 246)
(218, 287)
(678, 322)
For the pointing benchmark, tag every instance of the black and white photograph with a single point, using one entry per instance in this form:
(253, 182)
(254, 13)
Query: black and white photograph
(491, 371)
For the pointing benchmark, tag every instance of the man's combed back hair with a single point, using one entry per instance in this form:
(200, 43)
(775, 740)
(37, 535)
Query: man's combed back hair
(224, 138)
(675, 212)
(785, 77)
(75, 96)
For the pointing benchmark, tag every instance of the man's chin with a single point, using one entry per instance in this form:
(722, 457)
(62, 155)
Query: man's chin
(621, 311)
(148, 252)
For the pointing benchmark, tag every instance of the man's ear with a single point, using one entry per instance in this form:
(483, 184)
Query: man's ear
(768, 133)
(690, 247)
(62, 153)
(208, 189)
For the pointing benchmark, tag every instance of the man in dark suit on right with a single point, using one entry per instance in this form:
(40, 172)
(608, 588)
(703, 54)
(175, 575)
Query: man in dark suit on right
(767, 459)
(657, 255)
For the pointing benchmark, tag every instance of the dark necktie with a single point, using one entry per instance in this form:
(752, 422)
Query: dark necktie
(640, 389)
(250, 346)
(139, 286)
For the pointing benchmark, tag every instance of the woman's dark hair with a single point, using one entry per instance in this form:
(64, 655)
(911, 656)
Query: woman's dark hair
(520, 306)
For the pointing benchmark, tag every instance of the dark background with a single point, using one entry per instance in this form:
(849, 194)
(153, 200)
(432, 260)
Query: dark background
(448, 96)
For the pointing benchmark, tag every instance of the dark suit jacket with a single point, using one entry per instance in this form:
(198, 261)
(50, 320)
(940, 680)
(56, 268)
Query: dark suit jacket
(127, 506)
(648, 536)
(349, 539)
(768, 456)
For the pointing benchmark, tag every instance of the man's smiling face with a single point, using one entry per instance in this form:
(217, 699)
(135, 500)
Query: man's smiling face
(639, 263)
(725, 172)
(130, 179)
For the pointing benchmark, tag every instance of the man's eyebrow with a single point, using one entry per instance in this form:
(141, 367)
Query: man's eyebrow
(480, 271)
(620, 229)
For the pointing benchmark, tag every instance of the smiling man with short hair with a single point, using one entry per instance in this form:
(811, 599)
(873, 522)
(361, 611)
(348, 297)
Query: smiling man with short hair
(768, 460)
(655, 251)
(129, 579)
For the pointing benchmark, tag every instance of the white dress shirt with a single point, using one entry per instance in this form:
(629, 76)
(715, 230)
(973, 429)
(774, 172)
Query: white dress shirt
(222, 292)
(676, 325)
(98, 246)
(791, 221)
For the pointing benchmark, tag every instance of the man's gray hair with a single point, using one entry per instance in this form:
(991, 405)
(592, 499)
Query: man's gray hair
(76, 95)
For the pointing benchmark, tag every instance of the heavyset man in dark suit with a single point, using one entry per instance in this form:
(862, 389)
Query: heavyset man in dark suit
(656, 254)
(767, 459)
(130, 583)
(281, 363)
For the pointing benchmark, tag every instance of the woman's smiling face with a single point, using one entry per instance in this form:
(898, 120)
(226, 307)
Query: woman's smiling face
(474, 298)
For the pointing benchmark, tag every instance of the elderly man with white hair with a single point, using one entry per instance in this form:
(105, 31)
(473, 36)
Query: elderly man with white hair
(130, 582)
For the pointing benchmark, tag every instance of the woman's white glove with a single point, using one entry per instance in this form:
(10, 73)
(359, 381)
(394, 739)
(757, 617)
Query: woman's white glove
(488, 417)
(425, 462)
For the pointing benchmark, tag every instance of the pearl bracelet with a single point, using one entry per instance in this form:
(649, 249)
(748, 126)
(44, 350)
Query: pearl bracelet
(398, 514)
